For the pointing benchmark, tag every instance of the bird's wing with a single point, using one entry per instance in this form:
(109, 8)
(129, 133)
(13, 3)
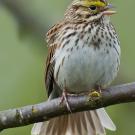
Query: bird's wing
(52, 45)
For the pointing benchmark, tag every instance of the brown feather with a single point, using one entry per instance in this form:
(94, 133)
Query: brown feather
(49, 72)
(52, 45)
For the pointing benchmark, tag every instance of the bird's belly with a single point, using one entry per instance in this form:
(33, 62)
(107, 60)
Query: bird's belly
(84, 68)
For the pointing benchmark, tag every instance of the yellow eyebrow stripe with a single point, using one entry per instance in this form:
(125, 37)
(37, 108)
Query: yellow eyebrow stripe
(96, 3)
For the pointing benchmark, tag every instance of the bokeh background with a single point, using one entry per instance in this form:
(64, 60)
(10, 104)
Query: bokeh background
(23, 24)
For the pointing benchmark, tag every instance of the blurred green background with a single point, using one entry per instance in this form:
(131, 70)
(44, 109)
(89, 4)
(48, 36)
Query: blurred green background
(23, 25)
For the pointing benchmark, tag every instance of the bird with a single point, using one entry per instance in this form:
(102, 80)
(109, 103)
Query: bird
(83, 55)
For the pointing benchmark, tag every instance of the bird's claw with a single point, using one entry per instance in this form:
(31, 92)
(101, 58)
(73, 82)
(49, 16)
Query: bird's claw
(64, 98)
(94, 94)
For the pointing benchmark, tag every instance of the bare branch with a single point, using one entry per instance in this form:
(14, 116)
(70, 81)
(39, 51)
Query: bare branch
(47, 110)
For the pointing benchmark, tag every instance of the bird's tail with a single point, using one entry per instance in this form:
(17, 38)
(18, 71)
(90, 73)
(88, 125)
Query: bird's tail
(82, 123)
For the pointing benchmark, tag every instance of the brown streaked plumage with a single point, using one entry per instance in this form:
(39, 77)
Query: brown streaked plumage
(49, 77)
(84, 54)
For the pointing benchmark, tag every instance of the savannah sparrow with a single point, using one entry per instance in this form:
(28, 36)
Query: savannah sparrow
(84, 53)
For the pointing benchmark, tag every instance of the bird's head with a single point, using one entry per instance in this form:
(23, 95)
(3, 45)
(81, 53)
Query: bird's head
(89, 9)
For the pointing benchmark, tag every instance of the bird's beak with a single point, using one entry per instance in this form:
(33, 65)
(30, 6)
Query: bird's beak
(108, 10)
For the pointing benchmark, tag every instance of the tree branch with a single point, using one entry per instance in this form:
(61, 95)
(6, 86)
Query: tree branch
(47, 110)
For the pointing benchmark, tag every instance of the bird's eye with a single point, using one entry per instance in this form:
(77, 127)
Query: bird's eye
(93, 8)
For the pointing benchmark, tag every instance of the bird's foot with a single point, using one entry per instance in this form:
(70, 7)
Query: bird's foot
(95, 93)
(64, 98)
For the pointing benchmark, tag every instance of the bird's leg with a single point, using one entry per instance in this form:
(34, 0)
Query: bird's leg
(64, 98)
